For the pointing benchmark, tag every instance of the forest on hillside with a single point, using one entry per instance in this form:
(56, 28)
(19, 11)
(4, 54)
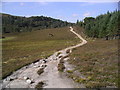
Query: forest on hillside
(12, 23)
(102, 26)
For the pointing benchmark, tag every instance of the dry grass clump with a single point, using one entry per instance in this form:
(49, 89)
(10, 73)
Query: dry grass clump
(40, 85)
(40, 71)
(61, 66)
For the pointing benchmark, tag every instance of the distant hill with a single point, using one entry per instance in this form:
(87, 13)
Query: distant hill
(12, 23)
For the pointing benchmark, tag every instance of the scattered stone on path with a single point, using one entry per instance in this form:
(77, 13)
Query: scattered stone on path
(25, 78)
(66, 58)
(44, 61)
(36, 63)
(7, 79)
(60, 56)
(11, 79)
(29, 81)
(43, 66)
(31, 65)
(35, 66)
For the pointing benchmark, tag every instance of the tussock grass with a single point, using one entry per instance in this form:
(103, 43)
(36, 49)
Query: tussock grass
(28, 47)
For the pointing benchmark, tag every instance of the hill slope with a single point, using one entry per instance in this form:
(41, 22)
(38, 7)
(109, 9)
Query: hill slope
(12, 23)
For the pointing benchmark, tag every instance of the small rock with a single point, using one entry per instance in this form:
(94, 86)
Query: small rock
(8, 79)
(74, 78)
(36, 63)
(11, 79)
(32, 81)
(60, 56)
(35, 66)
(25, 78)
(31, 65)
(57, 58)
(39, 66)
(14, 77)
(43, 66)
(29, 81)
(44, 61)
(66, 59)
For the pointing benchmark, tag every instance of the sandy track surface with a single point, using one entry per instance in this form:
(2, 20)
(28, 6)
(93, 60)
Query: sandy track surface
(27, 76)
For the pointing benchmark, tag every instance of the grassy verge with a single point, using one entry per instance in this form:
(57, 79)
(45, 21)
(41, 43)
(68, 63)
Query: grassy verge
(28, 47)
(98, 62)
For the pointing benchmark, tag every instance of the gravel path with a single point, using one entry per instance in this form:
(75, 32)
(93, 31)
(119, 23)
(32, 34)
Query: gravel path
(27, 76)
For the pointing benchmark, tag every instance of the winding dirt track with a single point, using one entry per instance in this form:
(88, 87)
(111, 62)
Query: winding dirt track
(27, 76)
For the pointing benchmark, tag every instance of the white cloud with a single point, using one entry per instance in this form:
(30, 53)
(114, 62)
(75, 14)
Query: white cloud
(75, 15)
(86, 14)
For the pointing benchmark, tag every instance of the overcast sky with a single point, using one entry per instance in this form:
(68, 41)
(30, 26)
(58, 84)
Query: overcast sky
(67, 11)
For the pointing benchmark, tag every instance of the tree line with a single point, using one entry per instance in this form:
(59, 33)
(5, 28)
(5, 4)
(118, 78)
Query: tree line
(12, 23)
(104, 25)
